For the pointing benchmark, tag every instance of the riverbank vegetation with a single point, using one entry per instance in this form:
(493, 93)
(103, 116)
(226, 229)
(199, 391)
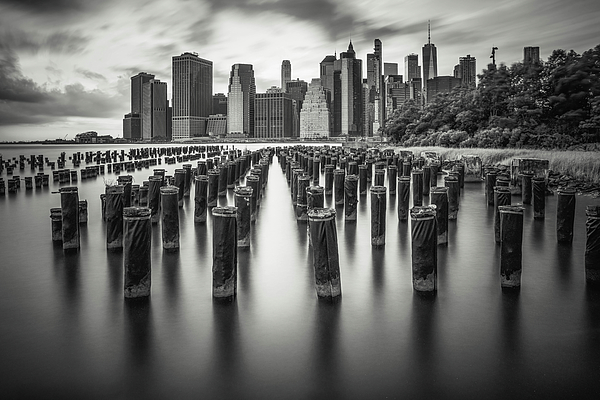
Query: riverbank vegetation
(553, 104)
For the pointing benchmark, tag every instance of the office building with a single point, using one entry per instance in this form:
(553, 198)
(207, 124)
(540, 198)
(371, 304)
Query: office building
(315, 116)
(219, 104)
(429, 58)
(412, 69)
(217, 125)
(351, 107)
(240, 103)
(192, 95)
(274, 115)
(297, 90)
(390, 69)
(137, 82)
(374, 96)
(531, 55)
(286, 74)
(132, 127)
(468, 71)
(154, 109)
(441, 84)
(397, 92)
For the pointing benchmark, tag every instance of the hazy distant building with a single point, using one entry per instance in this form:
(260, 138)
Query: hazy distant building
(297, 90)
(374, 96)
(429, 58)
(132, 127)
(137, 82)
(315, 116)
(154, 109)
(531, 55)
(217, 125)
(412, 69)
(327, 76)
(286, 74)
(390, 69)
(219, 104)
(441, 84)
(416, 90)
(274, 115)
(456, 71)
(468, 71)
(397, 92)
(240, 103)
(351, 93)
(192, 95)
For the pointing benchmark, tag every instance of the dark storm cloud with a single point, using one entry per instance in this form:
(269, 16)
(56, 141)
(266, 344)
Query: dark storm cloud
(49, 6)
(23, 101)
(56, 42)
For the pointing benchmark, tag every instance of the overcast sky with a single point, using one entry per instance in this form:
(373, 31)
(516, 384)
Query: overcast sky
(65, 64)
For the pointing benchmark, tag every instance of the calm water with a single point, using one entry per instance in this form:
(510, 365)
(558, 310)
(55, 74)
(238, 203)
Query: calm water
(66, 331)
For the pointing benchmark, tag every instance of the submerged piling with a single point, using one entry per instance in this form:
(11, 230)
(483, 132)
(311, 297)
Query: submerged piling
(137, 243)
(170, 217)
(200, 198)
(83, 211)
(69, 204)
(301, 202)
(326, 262)
(328, 179)
(114, 216)
(224, 266)
(490, 183)
(439, 198)
(501, 198)
(180, 184)
(154, 184)
(339, 177)
(511, 245)
(213, 187)
(223, 173)
(424, 249)
(362, 179)
(56, 218)
(243, 203)
(392, 177)
(378, 215)
(403, 197)
(351, 197)
(539, 198)
(451, 182)
(565, 214)
(254, 183)
(314, 197)
(417, 187)
(592, 245)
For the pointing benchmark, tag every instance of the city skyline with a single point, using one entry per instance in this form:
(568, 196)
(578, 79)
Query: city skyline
(66, 68)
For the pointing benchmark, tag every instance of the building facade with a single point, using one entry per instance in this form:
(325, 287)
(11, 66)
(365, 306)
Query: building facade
(154, 109)
(390, 69)
(531, 55)
(315, 116)
(412, 69)
(219, 104)
(351, 91)
(137, 84)
(192, 95)
(274, 115)
(217, 125)
(241, 100)
(441, 84)
(468, 71)
(286, 74)
(132, 127)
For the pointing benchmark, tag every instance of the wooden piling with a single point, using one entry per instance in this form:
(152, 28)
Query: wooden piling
(451, 182)
(565, 214)
(511, 245)
(224, 266)
(539, 198)
(378, 215)
(326, 262)
(502, 197)
(424, 249)
(403, 197)
(417, 187)
(137, 244)
(592, 246)
(114, 216)
(350, 197)
(200, 198)
(169, 198)
(439, 198)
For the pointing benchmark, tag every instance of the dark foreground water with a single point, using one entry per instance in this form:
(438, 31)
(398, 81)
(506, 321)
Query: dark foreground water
(66, 331)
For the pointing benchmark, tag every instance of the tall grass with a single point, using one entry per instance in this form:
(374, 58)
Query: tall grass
(578, 164)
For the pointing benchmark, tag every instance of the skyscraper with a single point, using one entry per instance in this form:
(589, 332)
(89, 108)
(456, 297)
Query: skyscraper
(468, 71)
(375, 96)
(137, 82)
(531, 55)
(441, 84)
(192, 95)
(351, 93)
(429, 58)
(154, 109)
(274, 115)
(240, 103)
(327, 75)
(219, 104)
(297, 90)
(411, 67)
(315, 116)
(390, 69)
(286, 74)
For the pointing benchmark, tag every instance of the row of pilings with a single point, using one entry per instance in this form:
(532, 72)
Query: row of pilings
(129, 214)
(348, 173)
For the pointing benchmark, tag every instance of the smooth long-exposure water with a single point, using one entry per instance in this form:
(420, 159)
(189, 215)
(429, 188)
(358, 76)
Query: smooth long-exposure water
(67, 332)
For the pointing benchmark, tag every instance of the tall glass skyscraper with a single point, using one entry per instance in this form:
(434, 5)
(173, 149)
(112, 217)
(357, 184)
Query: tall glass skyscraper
(286, 74)
(240, 103)
(192, 95)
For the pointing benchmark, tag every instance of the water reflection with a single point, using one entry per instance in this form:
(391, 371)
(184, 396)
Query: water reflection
(226, 333)
(511, 322)
(171, 270)
(564, 263)
(326, 348)
(139, 336)
(423, 330)
(377, 259)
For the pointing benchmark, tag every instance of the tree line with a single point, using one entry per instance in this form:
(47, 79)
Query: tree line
(551, 104)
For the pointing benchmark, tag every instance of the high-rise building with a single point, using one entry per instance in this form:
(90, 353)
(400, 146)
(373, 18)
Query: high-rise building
(137, 82)
(219, 104)
(351, 117)
(154, 109)
(441, 84)
(390, 69)
(429, 58)
(297, 90)
(286, 74)
(411, 67)
(240, 103)
(315, 116)
(327, 75)
(192, 95)
(132, 127)
(375, 114)
(468, 71)
(217, 125)
(397, 92)
(531, 55)
(274, 115)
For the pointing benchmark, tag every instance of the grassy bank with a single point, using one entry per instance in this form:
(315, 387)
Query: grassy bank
(580, 165)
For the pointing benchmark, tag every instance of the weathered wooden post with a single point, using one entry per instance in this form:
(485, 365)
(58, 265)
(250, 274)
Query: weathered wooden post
(56, 218)
(301, 200)
(180, 184)
(314, 197)
(144, 195)
(362, 181)
(502, 197)
(392, 177)
(213, 187)
(316, 170)
(137, 244)
(83, 211)
(339, 177)
(200, 198)
(326, 261)
(417, 187)
(126, 181)
(69, 204)
(351, 197)
(187, 170)
(114, 216)
(592, 245)
(426, 179)
(403, 197)
(435, 168)
(539, 198)
(378, 215)
(328, 179)
(379, 179)
(511, 245)
(253, 182)
(439, 198)
(243, 203)
(526, 188)
(154, 184)
(223, 173)
(451, 182)
(406, 168)
(224, 266)
(490, 183)
(169, 198)
(424, 249)
(565, 214)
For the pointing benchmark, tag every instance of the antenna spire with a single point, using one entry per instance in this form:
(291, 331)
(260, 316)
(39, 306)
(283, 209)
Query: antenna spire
(428, 32)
